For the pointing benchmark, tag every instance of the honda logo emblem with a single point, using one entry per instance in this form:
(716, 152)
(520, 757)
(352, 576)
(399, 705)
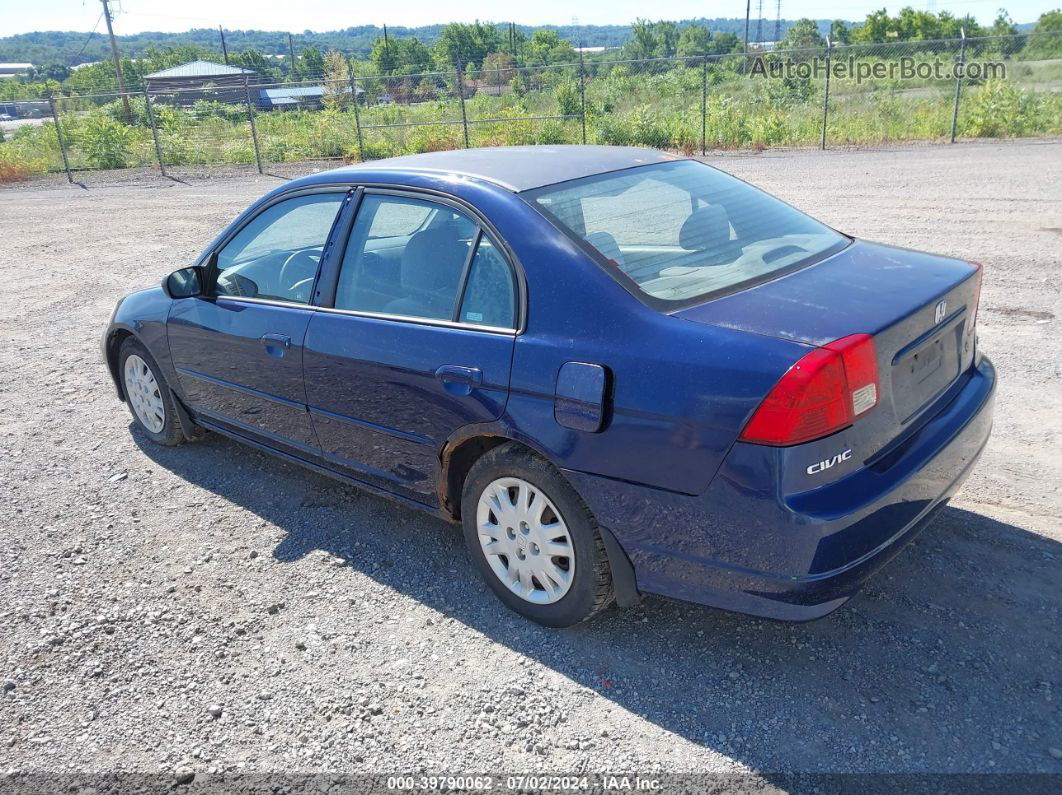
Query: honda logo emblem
(940, 312)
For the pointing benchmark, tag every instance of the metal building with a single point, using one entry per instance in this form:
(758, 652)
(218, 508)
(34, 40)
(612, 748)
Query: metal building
(196, 80)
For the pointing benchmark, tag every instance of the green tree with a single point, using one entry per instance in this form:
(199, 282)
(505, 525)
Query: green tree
(54, 71)
(468, 43)
(499, 68)
(875, 28)
(519, 44)
(1050, 22)
(643, 43)
(667, 34)
(310, 63)
(384, 56)
(722, 43)
(1004, 25)
(547, 47)
(914, 25)
(16, 89)
(1046, 41)
(695, 40)
(337, 80)
(804, 34)
(415, 57)
(400, 56)
(1008, 42)
(253, 59)
(839, 32)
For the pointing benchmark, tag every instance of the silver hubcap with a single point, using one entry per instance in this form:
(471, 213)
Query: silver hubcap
(525, 540)
(142, 391)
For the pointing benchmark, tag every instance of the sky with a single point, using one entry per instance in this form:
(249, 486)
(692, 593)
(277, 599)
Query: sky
(133, 16)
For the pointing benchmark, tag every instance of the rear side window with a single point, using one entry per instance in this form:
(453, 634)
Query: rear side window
(678, 232)
(489, 299)
(421, 259)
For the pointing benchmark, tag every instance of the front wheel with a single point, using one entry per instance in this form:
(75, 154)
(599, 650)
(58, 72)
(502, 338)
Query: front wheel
(150, 400)
(533, 539)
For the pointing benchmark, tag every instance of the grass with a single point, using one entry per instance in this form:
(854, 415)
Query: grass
(655, 105)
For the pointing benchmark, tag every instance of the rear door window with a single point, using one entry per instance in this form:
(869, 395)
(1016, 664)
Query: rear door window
(411, 257)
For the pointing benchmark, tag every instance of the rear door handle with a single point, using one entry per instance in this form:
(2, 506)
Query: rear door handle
(461, 375)
(459, 380)
(276, 344)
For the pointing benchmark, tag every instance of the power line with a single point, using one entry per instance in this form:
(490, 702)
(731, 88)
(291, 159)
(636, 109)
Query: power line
(91, 34)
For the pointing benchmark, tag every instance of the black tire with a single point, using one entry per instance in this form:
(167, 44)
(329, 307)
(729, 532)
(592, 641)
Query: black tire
(591, 588)
(172, 432)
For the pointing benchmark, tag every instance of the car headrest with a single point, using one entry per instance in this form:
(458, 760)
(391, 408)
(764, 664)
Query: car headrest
(433, 258)
(706, 229)
(607, 245)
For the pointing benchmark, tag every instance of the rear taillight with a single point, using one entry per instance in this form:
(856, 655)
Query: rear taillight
(977, 295)
(822, 393)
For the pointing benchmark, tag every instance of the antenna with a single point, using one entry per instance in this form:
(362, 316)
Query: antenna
(778, 23)
(759, 21)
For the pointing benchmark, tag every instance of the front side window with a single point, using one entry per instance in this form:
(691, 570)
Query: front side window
(421, 259)
(275, 256)
(680, 231)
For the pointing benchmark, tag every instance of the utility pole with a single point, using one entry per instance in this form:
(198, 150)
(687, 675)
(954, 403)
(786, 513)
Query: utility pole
(291, 50)
(117, 61)
(224, 49)
(748, 12)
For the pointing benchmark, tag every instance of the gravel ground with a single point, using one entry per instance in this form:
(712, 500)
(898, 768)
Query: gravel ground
(209, 608)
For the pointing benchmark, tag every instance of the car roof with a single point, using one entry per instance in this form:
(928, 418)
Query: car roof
(515, 168)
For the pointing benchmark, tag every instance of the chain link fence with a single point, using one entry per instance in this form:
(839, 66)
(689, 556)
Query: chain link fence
(831, 95)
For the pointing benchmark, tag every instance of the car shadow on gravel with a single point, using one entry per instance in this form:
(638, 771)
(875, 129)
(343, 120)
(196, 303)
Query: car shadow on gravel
(947, 661)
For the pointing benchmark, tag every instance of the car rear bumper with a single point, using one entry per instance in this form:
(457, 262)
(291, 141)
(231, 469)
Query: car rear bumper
(743, 546)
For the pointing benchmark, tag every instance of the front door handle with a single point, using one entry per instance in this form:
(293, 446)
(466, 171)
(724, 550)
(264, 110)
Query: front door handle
(459, 380)
(276, 344)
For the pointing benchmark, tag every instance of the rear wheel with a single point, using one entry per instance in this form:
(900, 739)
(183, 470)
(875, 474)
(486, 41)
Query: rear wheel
(150, 400)
(533, 539)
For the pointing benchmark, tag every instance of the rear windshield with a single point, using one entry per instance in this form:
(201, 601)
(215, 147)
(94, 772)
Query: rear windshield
(677, 232)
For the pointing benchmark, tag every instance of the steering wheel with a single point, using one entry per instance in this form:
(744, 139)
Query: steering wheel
(300, 291)
(297, 268)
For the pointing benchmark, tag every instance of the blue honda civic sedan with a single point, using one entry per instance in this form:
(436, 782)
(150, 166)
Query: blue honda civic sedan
(623, 372)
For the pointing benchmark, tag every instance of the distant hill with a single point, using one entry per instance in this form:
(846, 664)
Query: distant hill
(71, 47)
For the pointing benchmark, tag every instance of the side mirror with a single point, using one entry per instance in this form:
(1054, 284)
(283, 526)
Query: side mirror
(185, 283)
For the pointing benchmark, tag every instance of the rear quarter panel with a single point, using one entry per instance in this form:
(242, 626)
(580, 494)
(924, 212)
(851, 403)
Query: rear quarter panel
(678, 392)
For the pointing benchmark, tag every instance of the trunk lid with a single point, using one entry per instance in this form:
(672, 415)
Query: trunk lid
(920, 309)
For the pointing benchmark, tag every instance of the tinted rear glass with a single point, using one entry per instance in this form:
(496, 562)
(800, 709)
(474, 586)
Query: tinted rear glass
(680, 231)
